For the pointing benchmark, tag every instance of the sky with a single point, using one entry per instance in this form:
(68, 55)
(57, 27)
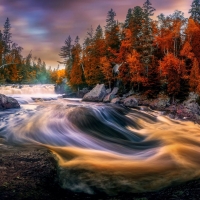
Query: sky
(42, 26)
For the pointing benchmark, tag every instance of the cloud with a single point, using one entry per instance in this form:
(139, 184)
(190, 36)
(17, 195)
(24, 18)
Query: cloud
(43, 25)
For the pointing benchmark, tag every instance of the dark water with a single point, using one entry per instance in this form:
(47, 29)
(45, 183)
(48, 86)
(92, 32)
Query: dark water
(107, 148)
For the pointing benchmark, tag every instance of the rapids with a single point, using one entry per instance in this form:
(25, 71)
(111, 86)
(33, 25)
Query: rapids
(105, 147)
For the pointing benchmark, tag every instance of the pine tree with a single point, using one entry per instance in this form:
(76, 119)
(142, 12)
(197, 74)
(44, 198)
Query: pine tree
(128, 19)
(147, 35)
(195, 10)
(111, 22)
(112, 37)
(136, 27)
(65, 51)
(7, 36)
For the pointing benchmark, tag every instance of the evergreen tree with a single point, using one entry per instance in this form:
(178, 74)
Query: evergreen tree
(111, 22)
(112, 36)
(136, 28)
(195, 10)
(147, 36)
(7, 36)
(128, 18)
(65, 51)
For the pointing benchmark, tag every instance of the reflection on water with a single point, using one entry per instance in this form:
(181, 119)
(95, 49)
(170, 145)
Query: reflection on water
(107, 147)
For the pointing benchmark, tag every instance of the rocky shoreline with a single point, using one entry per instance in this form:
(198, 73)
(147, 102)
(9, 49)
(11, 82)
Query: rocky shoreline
(189, 109)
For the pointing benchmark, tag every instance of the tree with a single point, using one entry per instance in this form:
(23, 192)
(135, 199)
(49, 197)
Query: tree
(146, 39)
(128, 19)
(171, 69)
(111, 22)
(76, 75)
(136, 27)
(136, 69)
(195, 10)
(92, 53)
(7, 36)
(106, 70)
(112, 33)
(66, 54)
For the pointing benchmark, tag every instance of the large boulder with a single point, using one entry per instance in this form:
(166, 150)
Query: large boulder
(8, 102)
(96, 94)
(131, 102)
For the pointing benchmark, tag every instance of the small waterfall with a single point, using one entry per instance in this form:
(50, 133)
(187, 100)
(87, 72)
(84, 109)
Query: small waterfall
(27, 89)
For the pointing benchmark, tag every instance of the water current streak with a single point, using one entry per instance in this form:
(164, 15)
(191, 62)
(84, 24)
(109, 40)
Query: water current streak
(109, 148)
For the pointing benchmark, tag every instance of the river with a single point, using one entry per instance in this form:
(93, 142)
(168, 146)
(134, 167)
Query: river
(103, 147)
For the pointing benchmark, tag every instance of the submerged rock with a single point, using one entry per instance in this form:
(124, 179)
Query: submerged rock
(96, 94)
(8, 102)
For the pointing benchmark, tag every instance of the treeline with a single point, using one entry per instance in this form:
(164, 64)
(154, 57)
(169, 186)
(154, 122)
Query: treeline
(14, 68)
(141, 54)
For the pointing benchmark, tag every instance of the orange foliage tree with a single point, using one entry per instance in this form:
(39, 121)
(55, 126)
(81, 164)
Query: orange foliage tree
(171, 70)
(76, 75)
(136, 69)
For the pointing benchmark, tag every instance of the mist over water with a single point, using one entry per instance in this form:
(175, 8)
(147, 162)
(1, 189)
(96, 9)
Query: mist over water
(108, 148)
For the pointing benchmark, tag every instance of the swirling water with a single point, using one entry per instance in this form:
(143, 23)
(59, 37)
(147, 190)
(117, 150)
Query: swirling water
(108, 148)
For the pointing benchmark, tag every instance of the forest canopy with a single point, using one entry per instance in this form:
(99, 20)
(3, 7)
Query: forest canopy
(139, 54)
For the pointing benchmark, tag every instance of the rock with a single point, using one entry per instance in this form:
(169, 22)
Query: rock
(131, 102)
(96, 94)
(8, 102)
(108, 91)
(82, 92)
(115, 90)
(116, 100)
(193, 107)
(110, 96)
(192, 97)
(160, 104)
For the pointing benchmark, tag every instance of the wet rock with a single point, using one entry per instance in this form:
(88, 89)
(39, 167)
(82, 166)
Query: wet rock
(8, 102)
(131, 102)
(96, 94)
(81, 93)
(116, 100)
(111, 95)
(108, 91)
(160, 103)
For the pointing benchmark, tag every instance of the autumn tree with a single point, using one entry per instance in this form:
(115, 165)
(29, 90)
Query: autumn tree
(136, 70)
(171, 70)
(93, 50)
(106, 69)
(76, 75)
(124, 51)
